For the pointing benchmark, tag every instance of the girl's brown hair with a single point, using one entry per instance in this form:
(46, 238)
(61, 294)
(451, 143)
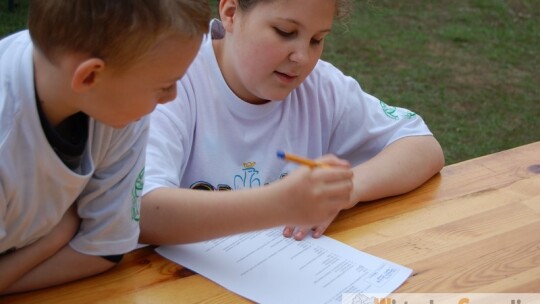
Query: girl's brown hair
(343, 7)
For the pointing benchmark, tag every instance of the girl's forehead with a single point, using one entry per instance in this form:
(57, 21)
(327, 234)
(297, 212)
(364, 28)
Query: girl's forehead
(248, 5)
(296, 11)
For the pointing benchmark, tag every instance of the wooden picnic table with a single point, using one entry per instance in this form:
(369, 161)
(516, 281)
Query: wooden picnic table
(475, 227)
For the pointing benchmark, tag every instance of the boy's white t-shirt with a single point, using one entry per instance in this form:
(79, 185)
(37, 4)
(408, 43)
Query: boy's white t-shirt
(36, 188)
(208, 138)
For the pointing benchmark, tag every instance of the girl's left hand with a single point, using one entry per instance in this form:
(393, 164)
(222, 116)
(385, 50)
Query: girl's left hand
(299, 233)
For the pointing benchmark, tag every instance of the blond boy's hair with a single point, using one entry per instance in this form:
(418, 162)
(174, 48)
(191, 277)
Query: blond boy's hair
(117, 31)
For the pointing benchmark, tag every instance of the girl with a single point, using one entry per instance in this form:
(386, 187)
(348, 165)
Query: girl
(258, 86)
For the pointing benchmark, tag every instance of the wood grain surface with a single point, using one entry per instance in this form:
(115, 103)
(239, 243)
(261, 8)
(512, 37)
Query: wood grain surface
(475, 227)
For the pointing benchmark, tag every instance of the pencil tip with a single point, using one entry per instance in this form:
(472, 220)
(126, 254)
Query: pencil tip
(281, 154)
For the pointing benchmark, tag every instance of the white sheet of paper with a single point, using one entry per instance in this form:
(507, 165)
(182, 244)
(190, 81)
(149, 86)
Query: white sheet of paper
(266, 267)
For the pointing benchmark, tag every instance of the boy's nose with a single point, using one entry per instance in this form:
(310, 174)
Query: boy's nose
(169, 96)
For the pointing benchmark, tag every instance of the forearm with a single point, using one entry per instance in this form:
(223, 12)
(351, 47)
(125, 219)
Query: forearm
(64, 266)
(15, 265)
(174, 215)
(18, 264)
(401, 167)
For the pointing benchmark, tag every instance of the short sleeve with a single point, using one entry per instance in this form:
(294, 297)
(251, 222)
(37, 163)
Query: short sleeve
(169, 143)
(109, 204)
(365, 125)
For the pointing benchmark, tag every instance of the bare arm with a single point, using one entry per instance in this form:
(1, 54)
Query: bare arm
(305, 197)
(65, 266)
(48, 261)
(401, 167)
(15, 265)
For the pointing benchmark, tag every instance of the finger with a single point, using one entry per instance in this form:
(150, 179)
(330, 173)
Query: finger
(319, 230)
(302, 232)
(288, 231)
(333, 160)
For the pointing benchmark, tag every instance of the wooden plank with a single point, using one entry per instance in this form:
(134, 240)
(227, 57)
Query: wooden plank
(474, 265)
(195, 289)
(434, 241)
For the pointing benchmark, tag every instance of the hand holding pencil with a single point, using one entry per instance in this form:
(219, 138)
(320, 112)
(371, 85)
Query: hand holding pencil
(335, 189)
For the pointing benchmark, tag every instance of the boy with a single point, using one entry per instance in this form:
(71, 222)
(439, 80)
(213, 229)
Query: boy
(73, 91)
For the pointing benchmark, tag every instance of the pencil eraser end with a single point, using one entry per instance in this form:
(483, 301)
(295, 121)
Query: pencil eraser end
(281, 154)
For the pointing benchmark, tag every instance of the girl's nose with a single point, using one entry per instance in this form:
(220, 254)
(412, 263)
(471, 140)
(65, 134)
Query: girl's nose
(300, 54)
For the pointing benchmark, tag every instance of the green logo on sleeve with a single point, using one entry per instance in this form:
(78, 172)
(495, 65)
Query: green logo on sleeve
(392, 112)
(136, 196)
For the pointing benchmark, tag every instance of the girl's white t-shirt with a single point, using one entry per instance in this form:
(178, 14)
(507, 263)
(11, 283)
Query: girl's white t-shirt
(208, 138)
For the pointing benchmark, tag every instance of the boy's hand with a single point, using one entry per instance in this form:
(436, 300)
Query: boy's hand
(319, 195)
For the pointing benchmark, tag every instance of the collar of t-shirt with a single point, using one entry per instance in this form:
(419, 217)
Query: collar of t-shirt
(68, 139)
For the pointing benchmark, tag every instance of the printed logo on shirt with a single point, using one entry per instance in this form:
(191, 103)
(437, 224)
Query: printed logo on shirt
(392, 112)
(136, 196)
(248, 178)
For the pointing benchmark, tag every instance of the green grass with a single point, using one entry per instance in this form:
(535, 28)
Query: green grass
(470, 68)
(12, 21)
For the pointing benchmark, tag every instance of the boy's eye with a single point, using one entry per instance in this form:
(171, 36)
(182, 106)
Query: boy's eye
(167, 89)
(316, 41)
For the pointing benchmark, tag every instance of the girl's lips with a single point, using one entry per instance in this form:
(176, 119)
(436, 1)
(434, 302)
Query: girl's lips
(285, 77)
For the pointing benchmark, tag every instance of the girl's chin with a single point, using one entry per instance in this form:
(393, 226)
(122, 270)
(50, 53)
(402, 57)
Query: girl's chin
(273, 93)
(275, 97)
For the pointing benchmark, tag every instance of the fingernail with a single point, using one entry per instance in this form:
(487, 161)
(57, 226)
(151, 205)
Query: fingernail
(287, 232)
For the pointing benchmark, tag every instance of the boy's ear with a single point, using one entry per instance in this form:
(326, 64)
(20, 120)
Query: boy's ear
(87, 74)
(227, 13)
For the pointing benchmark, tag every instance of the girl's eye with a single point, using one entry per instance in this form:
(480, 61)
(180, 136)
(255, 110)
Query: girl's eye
(284, 33)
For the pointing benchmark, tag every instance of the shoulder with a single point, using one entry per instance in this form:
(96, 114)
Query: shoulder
(12, 48)
(330, 87)
(18, 38)
(327, 72)
(329, 81)
(104, 138)
(16, 79)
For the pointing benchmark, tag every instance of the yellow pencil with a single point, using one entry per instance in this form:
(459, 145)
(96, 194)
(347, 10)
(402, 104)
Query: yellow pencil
(300, 160)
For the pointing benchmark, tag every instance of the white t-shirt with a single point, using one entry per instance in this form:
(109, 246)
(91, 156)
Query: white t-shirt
(208, 138)
(36, 188)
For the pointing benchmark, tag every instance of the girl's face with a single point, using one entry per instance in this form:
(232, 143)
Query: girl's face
(272, 47)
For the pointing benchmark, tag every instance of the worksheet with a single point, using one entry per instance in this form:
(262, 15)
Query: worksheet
(266, 267)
